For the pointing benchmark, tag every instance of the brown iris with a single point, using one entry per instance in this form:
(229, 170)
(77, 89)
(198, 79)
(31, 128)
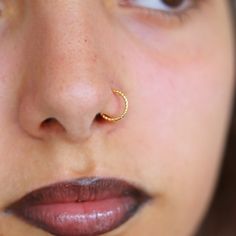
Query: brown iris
(173, 3)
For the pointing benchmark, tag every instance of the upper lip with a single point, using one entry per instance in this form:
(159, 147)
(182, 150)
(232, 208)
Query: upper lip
(83, 190)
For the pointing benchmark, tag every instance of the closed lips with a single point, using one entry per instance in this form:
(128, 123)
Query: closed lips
(82, 207)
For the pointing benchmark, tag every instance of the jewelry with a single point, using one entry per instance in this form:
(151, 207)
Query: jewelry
(116, 118)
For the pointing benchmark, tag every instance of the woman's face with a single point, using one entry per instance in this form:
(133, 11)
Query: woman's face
(60, 60)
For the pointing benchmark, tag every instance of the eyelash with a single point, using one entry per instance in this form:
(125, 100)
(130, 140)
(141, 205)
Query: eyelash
(180, 16)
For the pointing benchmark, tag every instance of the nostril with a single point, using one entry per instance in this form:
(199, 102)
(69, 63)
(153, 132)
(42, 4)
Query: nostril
(52, 125)
(98, 118)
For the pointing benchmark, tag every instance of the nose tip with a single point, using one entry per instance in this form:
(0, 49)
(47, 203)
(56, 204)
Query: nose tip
(68, 111)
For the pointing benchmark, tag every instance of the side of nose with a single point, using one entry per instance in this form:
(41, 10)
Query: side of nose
(66, 85)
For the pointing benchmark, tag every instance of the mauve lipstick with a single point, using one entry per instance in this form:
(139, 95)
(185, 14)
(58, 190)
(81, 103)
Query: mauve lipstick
(81, 207)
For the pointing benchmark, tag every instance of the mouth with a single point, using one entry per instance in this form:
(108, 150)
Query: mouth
(82, 207)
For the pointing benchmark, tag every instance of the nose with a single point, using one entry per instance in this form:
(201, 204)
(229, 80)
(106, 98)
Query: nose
(67, 82)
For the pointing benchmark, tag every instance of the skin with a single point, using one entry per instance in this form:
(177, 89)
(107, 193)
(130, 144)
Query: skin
(60, 59)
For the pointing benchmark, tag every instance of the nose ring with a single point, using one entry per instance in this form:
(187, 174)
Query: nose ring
(126, 105)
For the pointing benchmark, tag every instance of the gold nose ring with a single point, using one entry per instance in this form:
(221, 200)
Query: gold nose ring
(126, 105)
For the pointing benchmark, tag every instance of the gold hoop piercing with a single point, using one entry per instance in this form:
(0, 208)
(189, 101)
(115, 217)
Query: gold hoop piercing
(116, 118)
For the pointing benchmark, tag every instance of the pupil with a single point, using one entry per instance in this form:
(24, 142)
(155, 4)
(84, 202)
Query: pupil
(173, 3)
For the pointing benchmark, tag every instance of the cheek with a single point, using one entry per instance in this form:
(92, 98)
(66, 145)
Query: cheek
(13, 63)
(179, 110)
(11, 74)
(182, 98)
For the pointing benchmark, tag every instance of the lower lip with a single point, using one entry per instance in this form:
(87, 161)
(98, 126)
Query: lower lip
(81, 218)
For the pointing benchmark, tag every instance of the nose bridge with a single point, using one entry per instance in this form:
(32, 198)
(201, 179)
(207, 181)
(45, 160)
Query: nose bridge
(69, 53)
(69, 35)
(66, 80)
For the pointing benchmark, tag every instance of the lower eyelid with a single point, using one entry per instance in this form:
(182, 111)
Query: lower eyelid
(158, 17)
(153, 5)
(154, 17)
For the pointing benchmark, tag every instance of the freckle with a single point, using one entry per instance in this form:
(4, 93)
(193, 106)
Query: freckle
(85, 40)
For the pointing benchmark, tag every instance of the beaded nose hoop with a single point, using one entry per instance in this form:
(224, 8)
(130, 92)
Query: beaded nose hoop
(116, 118)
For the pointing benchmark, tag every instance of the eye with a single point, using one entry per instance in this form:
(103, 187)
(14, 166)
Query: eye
(161, 5)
